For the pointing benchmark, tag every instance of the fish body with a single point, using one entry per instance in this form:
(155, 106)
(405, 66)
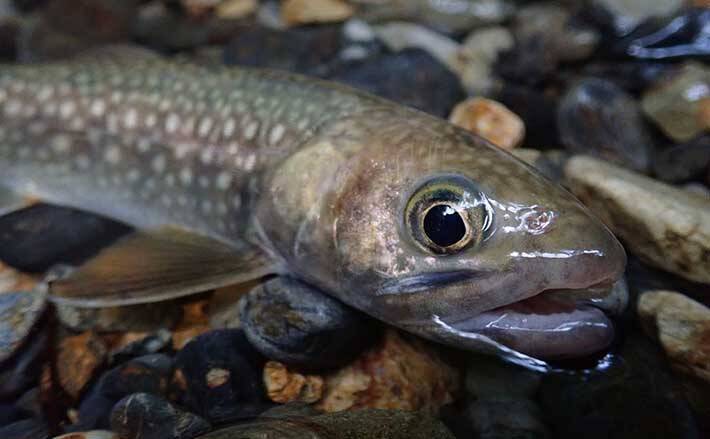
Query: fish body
(397, 213)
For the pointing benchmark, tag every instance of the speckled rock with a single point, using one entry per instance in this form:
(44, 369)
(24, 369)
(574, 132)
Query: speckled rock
(146, 416)
(293, 323)
(477, 56)
(678, 105)
(297, 12)
(682, 326)
(361, 424)
(491, 120)
(598, 118)
(78, 358)
(19, 313)
(663, 225)
(283, 385)
(144, 317)
(402, 372)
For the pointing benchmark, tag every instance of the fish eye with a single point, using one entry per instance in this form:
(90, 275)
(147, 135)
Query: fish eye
(447, 214)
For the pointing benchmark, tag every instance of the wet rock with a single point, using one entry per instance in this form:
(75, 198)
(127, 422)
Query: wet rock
(19, 313)
(682, 36)
(490, 120)
(398, 36)
(627, 15)
(663, 225)
(401, 372)
(220, 376)
(362, 424)
(506, 418)
(34, 239)
(410, 77)
(698, 189)
(682, 326)
(629, 395)
(23, 370)
(451, 16)
(283, 385)
(683, 162)
(298, 12)
(148, 374)
(536, 109)
(94, 434)
(78, 358)
(295, 324)
(598, 118)
(145, 317)
(477, 56)
(132, 345)
(25, 429)
(234, 9)
(146, 416)
(677, 104)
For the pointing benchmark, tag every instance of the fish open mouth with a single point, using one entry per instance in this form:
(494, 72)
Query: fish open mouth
(554, 324)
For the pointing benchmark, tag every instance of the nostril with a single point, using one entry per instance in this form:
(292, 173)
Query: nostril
(537, 220)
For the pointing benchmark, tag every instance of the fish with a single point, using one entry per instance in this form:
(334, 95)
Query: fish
(233, 174)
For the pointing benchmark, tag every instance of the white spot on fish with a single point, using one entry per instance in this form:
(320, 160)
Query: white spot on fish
(206, 156)
(172, 122)
(61, 143)
(276, 134)
(237, 201)
(170, 180)
(251, 129)
(113, 154)
(151, 119)
(206, 206)
(186, 176)
(229, 127)
(45, 93)
(159, 163)
(167, 201)
(222, 209)
(130, 119)
(13, 107)
(133, 175)
(143, 145)
(82, 161)
(224, 179)
(98, 108)
(250, 162)
(204, 181)
(205, 126)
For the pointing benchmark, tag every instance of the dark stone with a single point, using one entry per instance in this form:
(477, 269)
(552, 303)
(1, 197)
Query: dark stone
(98, 21)
(40, 236)
(633, 76)
(146, 416)
(506, 419)
(25, 429)
(28, 5)
(598, 118)
(10, 414)
(220, 376)
(9, 39)
(410, 77)
(148, 374)
(159, 341)
(641, 277)
(19, 312)
(300, 326)
(23, 370)
(537, 110)
(631, 396)
(683, 162)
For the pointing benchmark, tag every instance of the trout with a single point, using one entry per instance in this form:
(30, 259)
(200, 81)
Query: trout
(231, 174)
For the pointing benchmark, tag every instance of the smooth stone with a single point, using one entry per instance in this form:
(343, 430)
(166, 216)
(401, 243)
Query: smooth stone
(146, 416)
(680, 163)
(300, 326)
(361, 424)
(490, 120)
(628, 14)
(598, 118)
(284, 385)
(219, 374)
(676, 104)
(144, 317)
(235, 9)
(682, 326)
(300, 12)
(698, 189)
(23, 370)
(34, 239)
(398, 36)
(25, 429)
(506, 419)
(19, 313)
(79, 357)
(663, 225)
(447, 16)
(12, 280)
(433, 89)
(477, 56)
(148, 374)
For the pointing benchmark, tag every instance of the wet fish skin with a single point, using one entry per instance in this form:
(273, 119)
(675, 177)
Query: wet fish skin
(320, 176)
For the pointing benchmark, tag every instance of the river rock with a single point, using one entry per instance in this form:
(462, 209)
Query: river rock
(398, 36)
(78, 358)
(596, 117)
(537, 110)
(401, 372)
(19, 313)
(506, 418)
(628, 14)
(295, 324)
(361, 424)
(146, 416)
(679, 104)
(680, 163)
(682, 326)
(25, 429)
(477, 56)
(491, 120)
(663, 225)
(24, 369)
(284, 385)
(194, 322)
(297, 12)
(12, 280)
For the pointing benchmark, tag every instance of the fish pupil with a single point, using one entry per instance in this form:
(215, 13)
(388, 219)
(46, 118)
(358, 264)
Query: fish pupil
(444, 226)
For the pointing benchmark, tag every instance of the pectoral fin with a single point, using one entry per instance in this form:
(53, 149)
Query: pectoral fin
(158, 265)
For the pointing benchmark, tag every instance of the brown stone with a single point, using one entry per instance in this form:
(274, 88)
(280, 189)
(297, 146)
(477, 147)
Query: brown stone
(195, 321)
(704, 113)
(402, 372)
(297, 12)
(283, 385)
(682, 326)
(78, 359)
(234, 9)
(491, 120)
(12, 280)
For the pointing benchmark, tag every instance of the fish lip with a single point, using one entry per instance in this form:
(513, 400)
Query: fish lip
(425, 281)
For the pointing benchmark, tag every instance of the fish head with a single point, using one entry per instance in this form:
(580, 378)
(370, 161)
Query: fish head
(444, 235)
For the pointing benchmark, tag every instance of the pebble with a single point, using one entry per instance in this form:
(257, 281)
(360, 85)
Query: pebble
(283, 385)
(219, 374)
(678, 105)
(537, 110)
(299, 12)
(398, 36)
(25, 367)
(298, 325)
(25, 429)
(491, 120)
(665, 226)
(627, 15)
(13, 280)
(477, 56)
(235, 9)
(19, 313)
(144, 317)
(79, 357)
(683, 162)
(596, 117)
(682, 326)
(146, 416)
(361, 424)
(401, 372)
(410, 77)
(94, 434)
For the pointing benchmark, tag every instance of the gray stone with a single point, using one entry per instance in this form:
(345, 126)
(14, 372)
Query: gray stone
(477, 56)
(19, 313)
(627, 14)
